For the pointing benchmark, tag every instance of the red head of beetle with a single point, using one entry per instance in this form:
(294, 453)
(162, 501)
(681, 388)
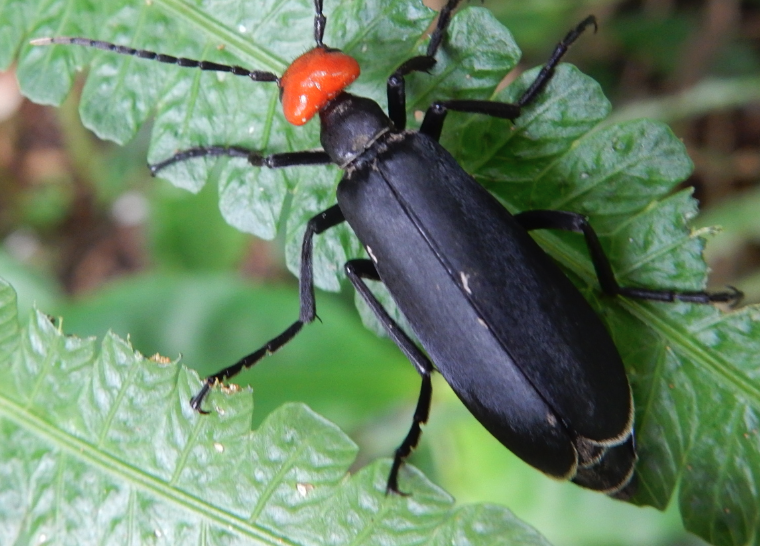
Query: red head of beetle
(313, 80)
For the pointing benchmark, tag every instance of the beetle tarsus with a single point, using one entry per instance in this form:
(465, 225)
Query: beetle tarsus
(392, 484)
(547, 71)
(196, 402)
(578, 223)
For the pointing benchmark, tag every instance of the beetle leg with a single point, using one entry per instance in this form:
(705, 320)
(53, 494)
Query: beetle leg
(319, 223)
(571, 221)
(423, 63)
(357, 270)
(432, 124)
(273, 161)
(559, 51)
(436, 113)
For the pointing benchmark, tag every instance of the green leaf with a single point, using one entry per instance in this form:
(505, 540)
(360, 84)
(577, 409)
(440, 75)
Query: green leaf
(336, 366)
(692, 367)
(100, 447)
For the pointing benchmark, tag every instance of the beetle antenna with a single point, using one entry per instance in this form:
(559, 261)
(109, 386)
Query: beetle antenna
(255, 75)
(319, 23)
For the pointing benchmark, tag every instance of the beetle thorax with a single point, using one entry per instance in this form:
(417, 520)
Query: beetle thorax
(350, 125)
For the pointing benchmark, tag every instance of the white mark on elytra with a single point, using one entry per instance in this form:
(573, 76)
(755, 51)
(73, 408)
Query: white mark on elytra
(465, 282)
(371, 255)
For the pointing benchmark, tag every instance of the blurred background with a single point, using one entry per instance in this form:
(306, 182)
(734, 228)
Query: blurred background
(86, 234)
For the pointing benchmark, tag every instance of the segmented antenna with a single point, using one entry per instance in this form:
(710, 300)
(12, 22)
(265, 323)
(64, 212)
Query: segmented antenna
(319, 23)
(255, 75)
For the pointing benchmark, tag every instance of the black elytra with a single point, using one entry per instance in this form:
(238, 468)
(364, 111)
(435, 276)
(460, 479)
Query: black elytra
(494, 314)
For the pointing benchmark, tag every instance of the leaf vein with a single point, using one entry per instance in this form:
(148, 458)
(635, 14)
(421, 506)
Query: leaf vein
(194, 16)
(123, 388)
(276, 480)
(111, 465)
(191, 442)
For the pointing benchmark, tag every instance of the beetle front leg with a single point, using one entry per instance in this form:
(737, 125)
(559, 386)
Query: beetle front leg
(432, 124)
(319, 223)
(572, 221)
(272, 161)
(396, 88)
(356, 270)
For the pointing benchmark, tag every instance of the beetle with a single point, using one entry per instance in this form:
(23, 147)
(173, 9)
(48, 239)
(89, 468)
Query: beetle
(495, 315)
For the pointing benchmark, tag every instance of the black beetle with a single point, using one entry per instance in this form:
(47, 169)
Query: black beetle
(499, 320)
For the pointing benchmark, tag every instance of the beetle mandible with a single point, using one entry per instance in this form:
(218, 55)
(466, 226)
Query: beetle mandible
(495, 315)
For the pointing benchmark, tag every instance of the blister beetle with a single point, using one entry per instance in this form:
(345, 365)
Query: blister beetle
(495, 315)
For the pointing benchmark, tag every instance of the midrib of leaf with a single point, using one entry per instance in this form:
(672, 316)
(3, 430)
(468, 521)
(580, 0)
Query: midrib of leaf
(108, 464)
(708, 360)
(191, 15)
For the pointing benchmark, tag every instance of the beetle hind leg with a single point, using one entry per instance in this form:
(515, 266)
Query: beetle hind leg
(357, 271)
(572, 221)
